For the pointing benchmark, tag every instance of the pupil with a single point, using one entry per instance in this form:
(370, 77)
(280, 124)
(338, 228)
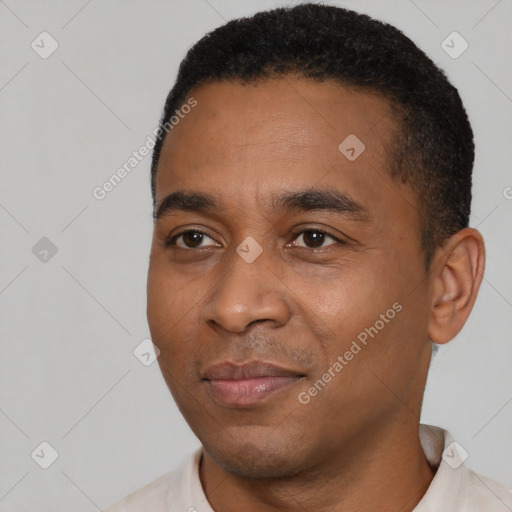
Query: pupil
(193, 237)
(316, 241)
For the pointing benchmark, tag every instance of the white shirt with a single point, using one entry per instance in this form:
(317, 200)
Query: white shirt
(454, 488)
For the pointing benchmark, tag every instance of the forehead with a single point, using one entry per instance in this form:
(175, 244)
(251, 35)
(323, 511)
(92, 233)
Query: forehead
(244, 139)
(312, 109)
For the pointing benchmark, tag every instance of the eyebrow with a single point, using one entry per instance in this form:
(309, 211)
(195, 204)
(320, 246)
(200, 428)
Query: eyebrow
(312, 199)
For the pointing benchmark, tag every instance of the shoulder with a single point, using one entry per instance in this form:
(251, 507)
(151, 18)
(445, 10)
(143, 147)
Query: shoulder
(483, 493)
(455, 486)
(152, 495)
(155, 495)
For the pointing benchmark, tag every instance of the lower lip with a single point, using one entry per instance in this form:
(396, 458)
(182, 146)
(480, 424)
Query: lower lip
(249, 391)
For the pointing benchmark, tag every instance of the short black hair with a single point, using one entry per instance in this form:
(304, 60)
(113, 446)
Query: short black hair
(433, 149)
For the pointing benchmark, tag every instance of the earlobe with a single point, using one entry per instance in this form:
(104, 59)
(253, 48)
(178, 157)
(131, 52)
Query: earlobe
(458, 272)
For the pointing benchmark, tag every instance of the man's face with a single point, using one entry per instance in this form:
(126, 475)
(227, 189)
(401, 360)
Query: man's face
(302, 302)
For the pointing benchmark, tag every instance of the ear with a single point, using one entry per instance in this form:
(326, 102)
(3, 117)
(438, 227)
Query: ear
(458, 268)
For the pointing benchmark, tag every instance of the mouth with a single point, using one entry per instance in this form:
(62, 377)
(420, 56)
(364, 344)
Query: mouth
(249, 383)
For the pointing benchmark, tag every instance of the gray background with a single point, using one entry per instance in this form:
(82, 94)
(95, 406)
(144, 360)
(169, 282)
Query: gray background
(69, 325)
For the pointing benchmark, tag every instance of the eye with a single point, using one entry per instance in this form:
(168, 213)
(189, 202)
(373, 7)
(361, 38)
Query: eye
(308, 238)
(314, 238)
(191, 239)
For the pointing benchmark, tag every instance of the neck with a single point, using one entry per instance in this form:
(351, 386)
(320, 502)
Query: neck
(385, 470)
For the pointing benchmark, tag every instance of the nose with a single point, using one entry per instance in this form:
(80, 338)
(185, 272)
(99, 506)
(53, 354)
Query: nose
(248, 293)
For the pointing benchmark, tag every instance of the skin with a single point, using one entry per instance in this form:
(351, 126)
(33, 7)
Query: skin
(355, 445)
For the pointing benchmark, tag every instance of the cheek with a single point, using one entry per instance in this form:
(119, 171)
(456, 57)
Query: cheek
(170, 303)
(170, 307)
(367, 316)
(348, 301)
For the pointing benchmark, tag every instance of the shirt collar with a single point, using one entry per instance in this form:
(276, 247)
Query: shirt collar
(443, 455)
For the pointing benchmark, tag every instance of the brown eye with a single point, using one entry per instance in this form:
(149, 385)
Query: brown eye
(314, 238)
(191, 239)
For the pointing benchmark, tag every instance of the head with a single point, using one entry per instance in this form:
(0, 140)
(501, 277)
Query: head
(432, 149)
(311, 211)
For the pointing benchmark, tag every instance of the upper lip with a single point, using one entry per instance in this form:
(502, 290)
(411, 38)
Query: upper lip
(228, 370)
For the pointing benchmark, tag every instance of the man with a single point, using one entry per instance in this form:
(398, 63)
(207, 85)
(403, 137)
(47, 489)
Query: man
(312, 189)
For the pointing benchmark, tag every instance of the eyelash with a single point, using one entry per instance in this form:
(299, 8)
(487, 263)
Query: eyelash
(171, 241)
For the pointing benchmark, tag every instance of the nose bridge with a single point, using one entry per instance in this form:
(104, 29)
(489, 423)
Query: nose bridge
(248, 292)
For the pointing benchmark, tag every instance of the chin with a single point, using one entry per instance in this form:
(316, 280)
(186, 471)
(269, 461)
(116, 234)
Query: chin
(257, 458)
